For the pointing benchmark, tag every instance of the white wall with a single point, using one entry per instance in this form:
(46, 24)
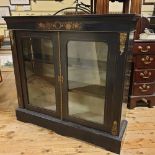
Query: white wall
(4, 2)
(49, 7)
(147, 10)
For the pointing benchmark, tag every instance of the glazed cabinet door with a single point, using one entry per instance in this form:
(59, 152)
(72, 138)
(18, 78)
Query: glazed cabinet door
(88, 68)
(39, 71)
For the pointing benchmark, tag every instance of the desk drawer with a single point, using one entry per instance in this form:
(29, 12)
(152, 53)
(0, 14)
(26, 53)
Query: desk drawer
(145, 61)
(144, 75)
(143, 89)
(144, 48)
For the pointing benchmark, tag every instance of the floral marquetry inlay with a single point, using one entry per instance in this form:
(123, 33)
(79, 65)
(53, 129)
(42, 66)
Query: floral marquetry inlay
(58, 25)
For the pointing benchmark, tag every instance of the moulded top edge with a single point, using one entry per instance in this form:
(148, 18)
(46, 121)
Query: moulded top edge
(77, 16)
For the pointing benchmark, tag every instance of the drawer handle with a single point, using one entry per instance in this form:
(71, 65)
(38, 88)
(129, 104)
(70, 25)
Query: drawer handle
(145, 74)
(144, 88)
(144, 51)
(147, 60)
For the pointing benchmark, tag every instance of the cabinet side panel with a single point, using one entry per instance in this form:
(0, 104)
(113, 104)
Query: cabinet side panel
(126, 89)
(16, 68)
(127, 78)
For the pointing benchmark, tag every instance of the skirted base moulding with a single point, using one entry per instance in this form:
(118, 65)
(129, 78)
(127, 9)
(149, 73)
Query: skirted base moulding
(99, 138)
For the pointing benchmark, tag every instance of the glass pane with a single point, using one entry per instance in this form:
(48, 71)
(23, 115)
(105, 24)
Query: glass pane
(39, 70)
(87, 79)
(42, 49)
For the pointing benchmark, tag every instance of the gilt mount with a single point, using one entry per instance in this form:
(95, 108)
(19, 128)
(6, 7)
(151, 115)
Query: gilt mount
(57, 25)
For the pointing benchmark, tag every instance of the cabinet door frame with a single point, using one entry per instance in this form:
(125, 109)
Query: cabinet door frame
(53, 36)
(113, 65)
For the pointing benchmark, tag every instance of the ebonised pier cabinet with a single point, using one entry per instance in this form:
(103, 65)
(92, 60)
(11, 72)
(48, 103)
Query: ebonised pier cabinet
(70, 74)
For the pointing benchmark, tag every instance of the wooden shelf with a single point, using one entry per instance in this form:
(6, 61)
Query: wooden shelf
(91, 90)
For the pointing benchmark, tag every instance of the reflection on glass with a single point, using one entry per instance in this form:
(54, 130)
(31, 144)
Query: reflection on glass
(87, 79)
(42, 49)
(39, 68)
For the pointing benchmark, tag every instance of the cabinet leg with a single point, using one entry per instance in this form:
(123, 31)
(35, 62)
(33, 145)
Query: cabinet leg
(150, 105)
(1, 77)
(132, 104)
(145, 101)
